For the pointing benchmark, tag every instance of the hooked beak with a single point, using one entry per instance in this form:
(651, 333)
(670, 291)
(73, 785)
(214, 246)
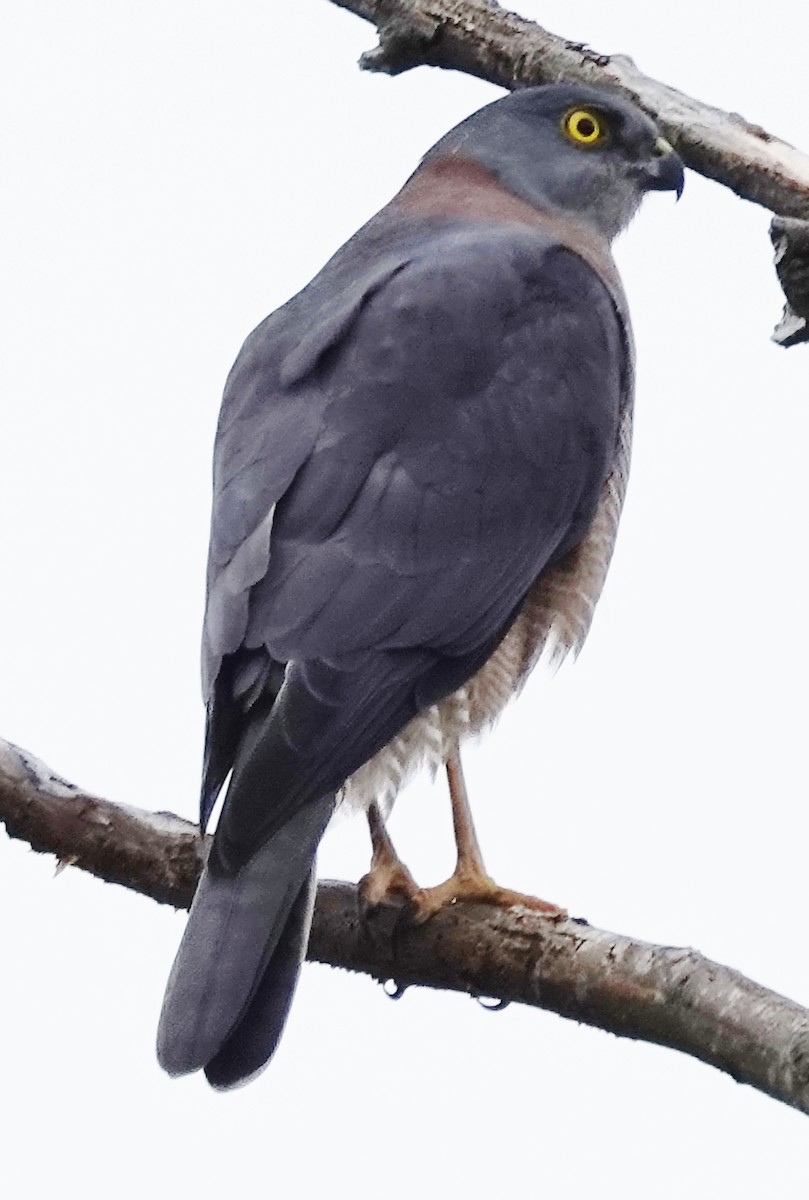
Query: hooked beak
(664, 172)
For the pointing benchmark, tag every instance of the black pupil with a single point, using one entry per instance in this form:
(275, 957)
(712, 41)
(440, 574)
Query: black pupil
(587, 127)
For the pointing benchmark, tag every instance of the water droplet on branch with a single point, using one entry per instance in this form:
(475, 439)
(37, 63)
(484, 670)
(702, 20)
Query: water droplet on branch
(491, 1003)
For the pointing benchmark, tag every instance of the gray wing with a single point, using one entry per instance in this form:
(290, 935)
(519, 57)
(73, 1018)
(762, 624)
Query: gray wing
(397, 461)
(268, 427)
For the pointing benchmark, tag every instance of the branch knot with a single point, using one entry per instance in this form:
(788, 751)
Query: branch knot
(406, 39)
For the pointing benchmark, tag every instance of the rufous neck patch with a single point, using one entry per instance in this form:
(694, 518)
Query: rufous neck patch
(461, 187)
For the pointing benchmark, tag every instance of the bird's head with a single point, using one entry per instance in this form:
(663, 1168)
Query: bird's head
(576, 150)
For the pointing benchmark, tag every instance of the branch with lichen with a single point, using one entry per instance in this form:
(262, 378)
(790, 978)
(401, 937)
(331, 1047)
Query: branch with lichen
(673, 997)
(483, 39)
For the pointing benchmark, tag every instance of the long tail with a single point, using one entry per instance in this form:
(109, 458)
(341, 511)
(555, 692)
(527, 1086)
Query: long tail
(235, 972)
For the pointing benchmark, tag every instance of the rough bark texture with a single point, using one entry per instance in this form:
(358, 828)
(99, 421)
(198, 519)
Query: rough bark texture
(790, 238)
(670, 996)
(158, 854)
(483, 39)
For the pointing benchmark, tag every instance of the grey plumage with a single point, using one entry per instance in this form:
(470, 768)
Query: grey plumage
(239, 922)
(418, 472)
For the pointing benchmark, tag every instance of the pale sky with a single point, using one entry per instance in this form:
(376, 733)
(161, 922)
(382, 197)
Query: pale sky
(173, 172)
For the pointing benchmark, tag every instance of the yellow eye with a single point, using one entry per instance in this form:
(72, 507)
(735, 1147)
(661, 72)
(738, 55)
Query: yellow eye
(584, 126)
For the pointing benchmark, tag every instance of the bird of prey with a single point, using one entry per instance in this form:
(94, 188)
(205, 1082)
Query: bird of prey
(419, 469)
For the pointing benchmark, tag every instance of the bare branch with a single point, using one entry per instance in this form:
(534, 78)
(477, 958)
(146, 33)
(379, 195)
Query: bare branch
(483, 39)
(670, 996)
(158, 854)
(791, 241)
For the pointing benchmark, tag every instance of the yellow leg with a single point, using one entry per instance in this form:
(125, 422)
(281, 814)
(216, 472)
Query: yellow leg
(470, 859)
(470, 881)
(388, 878)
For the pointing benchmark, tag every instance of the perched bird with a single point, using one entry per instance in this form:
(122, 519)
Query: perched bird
(418, 474)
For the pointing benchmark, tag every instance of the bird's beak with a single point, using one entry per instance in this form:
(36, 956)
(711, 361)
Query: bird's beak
(664, 172)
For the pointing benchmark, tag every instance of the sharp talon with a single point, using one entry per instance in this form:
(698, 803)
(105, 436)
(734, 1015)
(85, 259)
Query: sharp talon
(383, 895)
(389, 882)
(386, 885)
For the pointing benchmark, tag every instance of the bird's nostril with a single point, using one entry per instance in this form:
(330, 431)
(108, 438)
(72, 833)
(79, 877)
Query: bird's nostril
(662, 147)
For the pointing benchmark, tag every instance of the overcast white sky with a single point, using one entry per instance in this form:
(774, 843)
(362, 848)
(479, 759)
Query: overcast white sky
(173, 172)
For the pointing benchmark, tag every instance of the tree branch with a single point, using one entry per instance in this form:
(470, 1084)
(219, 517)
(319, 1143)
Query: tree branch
(791, 241)
(483, 39)
(673, 997)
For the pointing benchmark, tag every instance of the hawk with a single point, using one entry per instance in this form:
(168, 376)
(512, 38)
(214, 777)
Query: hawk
(419, 469)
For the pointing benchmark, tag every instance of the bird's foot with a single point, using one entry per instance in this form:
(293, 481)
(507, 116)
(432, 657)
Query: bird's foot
(388, 882)
(475, 887)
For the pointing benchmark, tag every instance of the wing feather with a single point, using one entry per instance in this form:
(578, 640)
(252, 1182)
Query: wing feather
(438, 431)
